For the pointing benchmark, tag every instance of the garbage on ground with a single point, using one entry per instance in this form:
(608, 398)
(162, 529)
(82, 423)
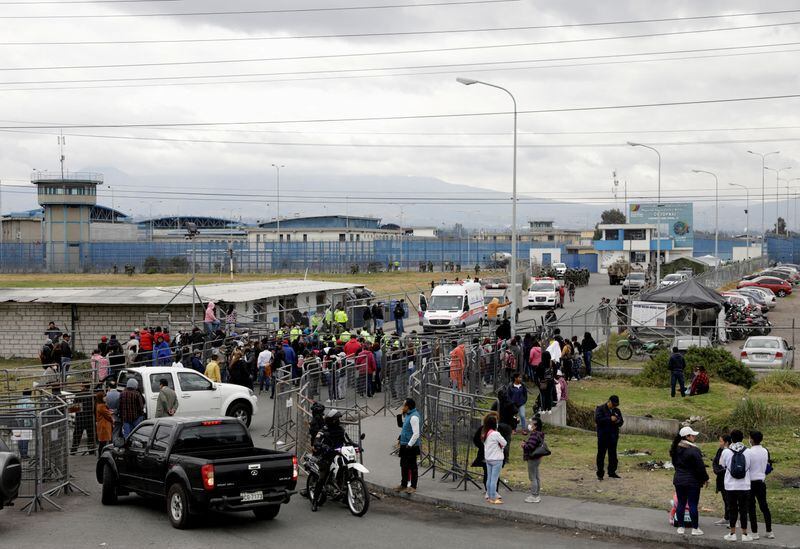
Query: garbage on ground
(654, 464)
(635, 452)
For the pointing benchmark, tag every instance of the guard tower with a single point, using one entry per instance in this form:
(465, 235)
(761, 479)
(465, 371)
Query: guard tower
(67, 199)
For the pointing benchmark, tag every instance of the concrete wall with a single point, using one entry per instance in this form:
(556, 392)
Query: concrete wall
(22, 334)
(639, 425)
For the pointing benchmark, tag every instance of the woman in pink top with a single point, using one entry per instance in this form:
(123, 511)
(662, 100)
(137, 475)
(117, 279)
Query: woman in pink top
(210, 320)
(535, 358)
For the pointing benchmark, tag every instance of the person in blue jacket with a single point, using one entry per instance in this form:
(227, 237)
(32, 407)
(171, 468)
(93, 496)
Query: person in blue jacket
(162, 354)
(518, 395)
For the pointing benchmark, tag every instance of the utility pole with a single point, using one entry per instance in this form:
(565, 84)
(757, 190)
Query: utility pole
(763, 200)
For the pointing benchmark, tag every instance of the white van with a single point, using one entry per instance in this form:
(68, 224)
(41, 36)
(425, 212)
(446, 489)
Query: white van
(544, 292)
(452, 305)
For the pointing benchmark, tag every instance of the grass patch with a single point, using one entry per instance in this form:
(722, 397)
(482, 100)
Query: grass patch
(640, 401)
(781, 381)
(381, 283)
(569, 472)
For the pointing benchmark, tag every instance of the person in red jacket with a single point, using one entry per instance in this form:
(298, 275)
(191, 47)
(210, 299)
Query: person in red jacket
(365, 363)
(353, 346)
(145, 355)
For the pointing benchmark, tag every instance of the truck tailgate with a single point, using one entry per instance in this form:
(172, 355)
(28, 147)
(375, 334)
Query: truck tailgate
(260, 471)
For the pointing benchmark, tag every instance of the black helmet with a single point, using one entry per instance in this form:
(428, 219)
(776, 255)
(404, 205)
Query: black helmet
(317, 409)
(332, 417)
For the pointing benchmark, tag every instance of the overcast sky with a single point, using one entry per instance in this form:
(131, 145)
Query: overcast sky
(469, 150)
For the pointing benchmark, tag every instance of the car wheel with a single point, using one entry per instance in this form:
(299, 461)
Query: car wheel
(781, 293)
(178, 507)
(240, 411)
(267, 513)
(108, 495)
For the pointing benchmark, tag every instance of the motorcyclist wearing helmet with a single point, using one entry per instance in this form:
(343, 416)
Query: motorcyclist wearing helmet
(328, 440)
(317, 420)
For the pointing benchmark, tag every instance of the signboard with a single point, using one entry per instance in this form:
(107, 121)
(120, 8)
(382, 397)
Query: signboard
(646, 313)
(674, 219)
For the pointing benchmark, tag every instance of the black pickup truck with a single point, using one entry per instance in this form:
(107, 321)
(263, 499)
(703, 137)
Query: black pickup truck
(198, 464)
(10, 475)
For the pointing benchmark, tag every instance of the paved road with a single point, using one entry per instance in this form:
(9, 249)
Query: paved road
(139, 523)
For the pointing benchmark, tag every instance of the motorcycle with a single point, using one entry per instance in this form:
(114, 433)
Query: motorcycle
(345, 480)
(626, 348)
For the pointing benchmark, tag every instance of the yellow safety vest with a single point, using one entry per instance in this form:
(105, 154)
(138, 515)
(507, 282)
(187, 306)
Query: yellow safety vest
(345, 336)
(340, 317)
(294, 334)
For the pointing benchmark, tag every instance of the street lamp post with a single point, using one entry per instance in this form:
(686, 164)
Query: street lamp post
(658, 205)
(514, 296)
(788, 198)
(763, 200)
(777, 192)
(716, 213)
(278, 206)
(746, 215)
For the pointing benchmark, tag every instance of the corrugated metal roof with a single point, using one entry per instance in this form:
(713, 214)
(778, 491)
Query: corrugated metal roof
(236, 292)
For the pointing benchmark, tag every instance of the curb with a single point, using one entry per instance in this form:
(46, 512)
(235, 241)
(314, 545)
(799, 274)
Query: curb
(628, 532)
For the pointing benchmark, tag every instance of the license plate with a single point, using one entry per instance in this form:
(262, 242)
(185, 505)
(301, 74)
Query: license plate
(252, 496)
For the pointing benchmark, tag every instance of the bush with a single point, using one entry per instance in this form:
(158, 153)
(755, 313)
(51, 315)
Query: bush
(718, 362)
(751, 413)
(781, 381)
(151, 265)
(578, 416)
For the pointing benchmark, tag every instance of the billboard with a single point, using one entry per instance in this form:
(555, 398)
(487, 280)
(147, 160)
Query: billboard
(675, 220)
(645, 313)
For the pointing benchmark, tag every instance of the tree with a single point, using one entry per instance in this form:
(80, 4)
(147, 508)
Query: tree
(612, 217)
(609, 217)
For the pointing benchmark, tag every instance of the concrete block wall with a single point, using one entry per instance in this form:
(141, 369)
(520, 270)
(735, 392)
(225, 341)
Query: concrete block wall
(23, 325)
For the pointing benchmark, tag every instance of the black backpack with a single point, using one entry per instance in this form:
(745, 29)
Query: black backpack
(738, 466)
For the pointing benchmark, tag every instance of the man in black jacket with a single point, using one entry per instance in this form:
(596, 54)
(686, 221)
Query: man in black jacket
(676, 367)
(328, 440)
(608, 418)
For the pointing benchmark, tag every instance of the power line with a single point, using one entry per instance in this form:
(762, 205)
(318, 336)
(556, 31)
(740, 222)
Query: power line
(410, 67)
(394, 52)
(399, 33)
(621, 144)
(257, 12)
(412, 116)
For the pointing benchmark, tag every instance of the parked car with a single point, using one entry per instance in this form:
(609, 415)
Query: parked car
(197, 395)
(670, 279)
(10, 475)
(740, 300)
(634, 283)
(783, 274)
(766, 293)
(780, 287)
(683, 342)
(756, 296)
(198, 464)
(767, 352)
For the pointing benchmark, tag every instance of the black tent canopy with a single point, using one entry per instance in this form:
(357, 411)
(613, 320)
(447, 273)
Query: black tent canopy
(690, 293)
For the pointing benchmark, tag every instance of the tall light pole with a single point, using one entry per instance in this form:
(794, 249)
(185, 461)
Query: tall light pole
(788, 198)
(777, 191)
(763, 200)
(658, 205)
(746, 215)
(514, 297)
(716, 211)
(278, 181)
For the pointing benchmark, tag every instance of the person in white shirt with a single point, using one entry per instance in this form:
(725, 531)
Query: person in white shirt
(738, 489)
(264, 359)
(759, 460)
(555, 351)
(493, 444)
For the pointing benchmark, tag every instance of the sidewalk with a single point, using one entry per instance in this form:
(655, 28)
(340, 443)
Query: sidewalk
(629, 522)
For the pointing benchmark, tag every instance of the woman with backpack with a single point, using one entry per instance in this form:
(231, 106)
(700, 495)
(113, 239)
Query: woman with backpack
(690, 476)
(532, 454)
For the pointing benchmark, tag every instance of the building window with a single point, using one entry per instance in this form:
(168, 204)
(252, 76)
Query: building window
(638, 257)
(612, 234)
(634, 234)
(550, 238)
(288, 238)
(305, 238)
(341, 237)
(358, 238)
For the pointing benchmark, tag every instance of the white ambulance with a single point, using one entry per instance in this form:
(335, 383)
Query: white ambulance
(452, 305)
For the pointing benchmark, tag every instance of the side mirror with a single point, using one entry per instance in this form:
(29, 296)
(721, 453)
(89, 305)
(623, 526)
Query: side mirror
(363, 436)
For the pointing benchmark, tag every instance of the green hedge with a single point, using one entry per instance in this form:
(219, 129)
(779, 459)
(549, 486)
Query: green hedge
(718, 362)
